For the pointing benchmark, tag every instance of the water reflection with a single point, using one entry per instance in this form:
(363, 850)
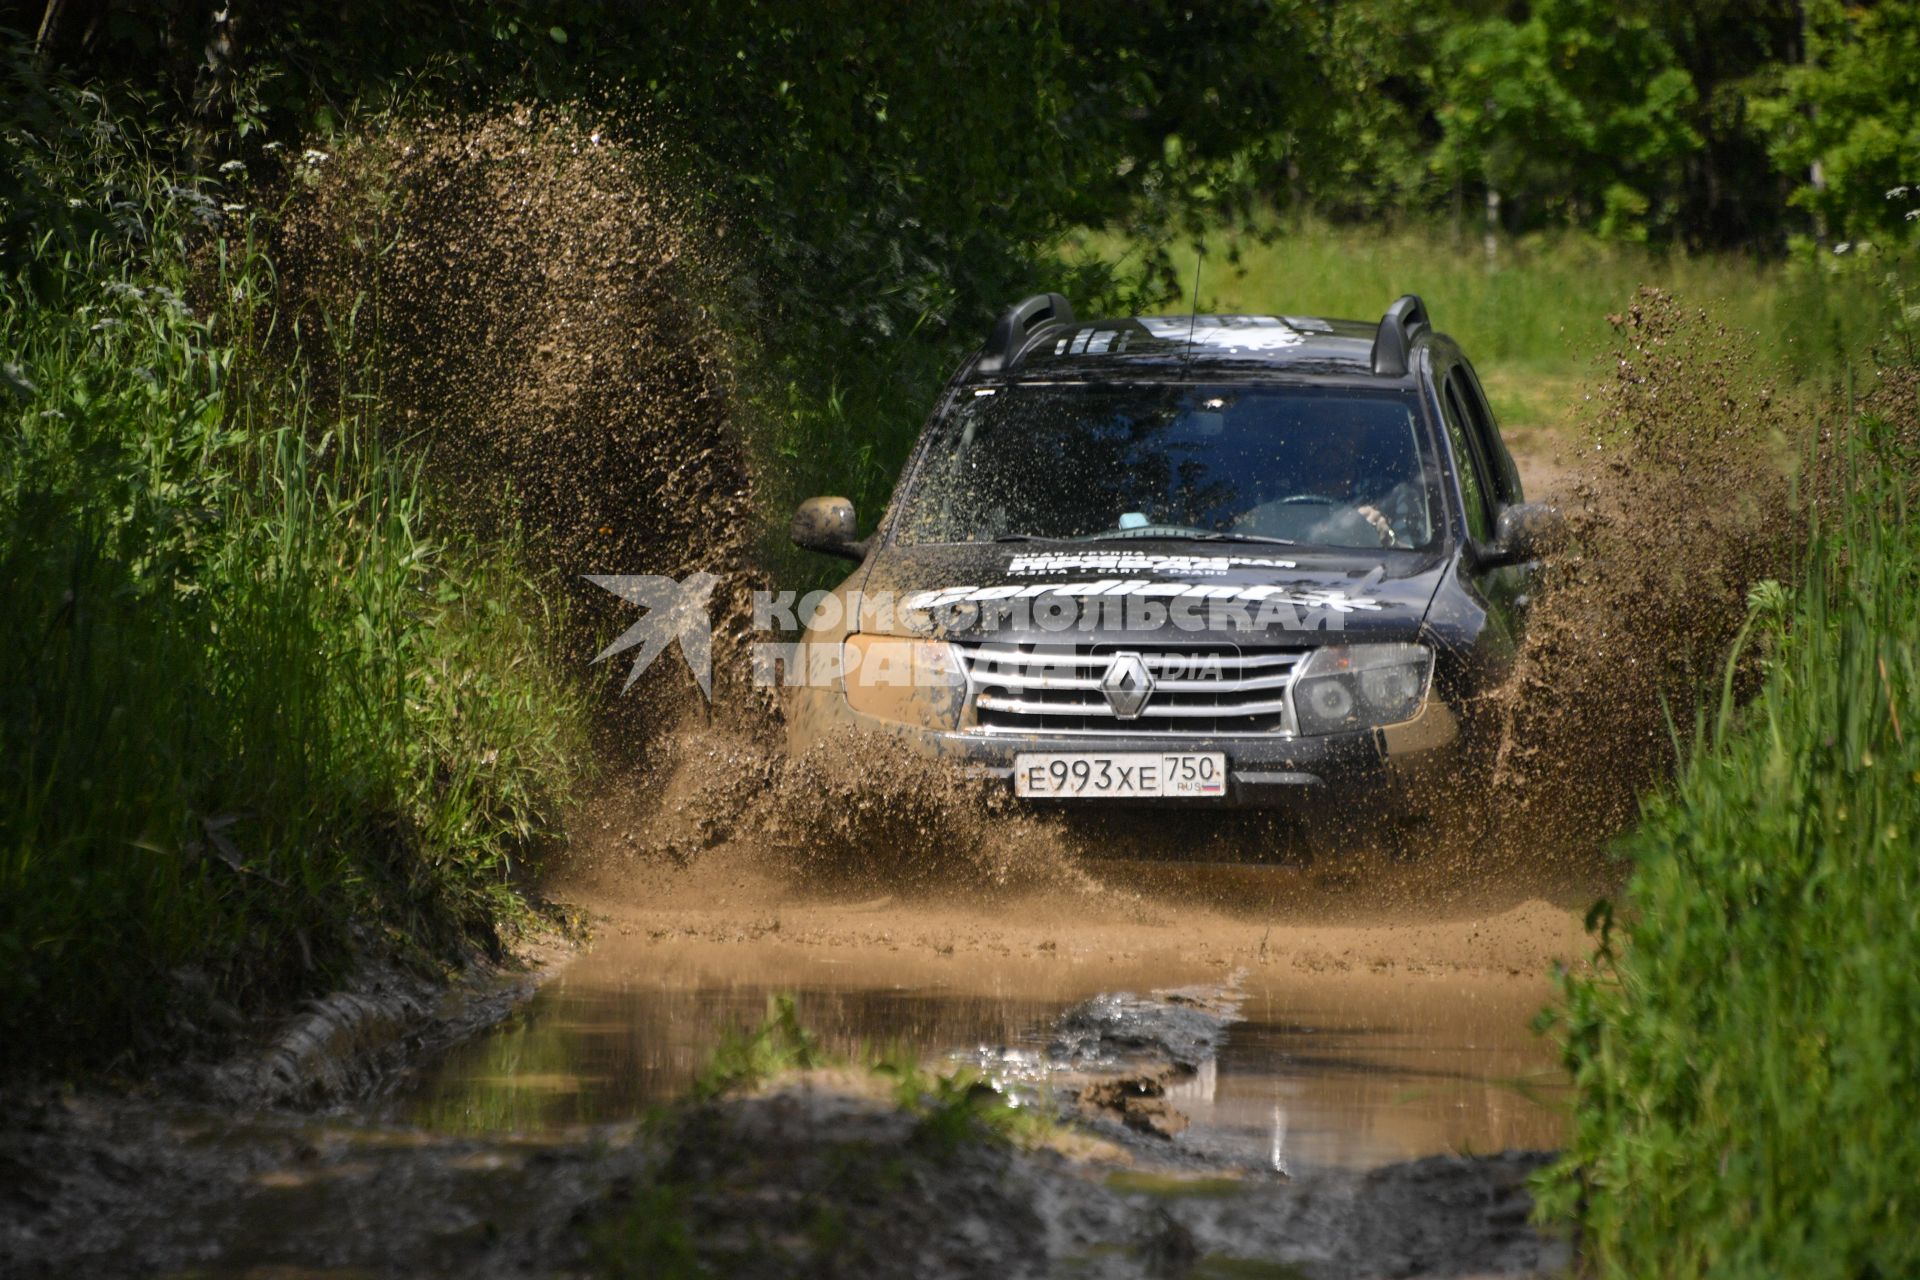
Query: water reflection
(1357, 1074)
(1324, 1071)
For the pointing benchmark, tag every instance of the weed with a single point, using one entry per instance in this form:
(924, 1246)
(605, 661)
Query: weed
(746, 1059)
(652, 1240)
(832, 1185)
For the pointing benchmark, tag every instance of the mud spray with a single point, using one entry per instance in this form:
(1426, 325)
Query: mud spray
(535, 308)
(532, 308)
(527, 305)
(1681, 501)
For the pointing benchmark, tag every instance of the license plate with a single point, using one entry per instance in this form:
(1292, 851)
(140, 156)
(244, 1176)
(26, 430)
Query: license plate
(1116, 775)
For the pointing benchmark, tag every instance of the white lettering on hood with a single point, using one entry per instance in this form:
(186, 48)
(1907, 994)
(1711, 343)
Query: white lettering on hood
(1135, 562)
(1110, 588)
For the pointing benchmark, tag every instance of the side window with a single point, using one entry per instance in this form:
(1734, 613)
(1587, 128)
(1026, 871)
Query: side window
(1473, 489)
(1501, 471)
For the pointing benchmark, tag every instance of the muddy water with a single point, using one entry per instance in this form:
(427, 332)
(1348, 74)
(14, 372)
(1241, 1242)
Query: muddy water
(1323, 1071)
(1364, 1073)
(1377, 1022)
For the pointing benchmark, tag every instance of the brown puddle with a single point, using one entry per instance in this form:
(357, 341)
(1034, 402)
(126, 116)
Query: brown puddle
(1357, 1073)
(1325, 1070)
(1378, 1022)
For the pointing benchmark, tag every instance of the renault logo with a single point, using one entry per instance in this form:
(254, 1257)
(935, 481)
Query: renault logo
(1128, 684)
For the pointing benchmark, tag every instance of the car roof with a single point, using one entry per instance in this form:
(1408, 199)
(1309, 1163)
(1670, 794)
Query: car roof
(1040, 339)
(1241, 344)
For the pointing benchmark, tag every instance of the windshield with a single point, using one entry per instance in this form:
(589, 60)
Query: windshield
(1305, 465)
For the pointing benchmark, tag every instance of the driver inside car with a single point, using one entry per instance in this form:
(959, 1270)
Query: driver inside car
(1353, 488)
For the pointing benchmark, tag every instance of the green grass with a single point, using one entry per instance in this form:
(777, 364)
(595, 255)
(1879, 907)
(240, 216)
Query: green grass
(258, 712)
(1747, 1050)
(951, 1107)
(1534, 316)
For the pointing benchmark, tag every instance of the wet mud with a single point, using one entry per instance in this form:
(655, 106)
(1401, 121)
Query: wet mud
(816, 1172)
(802, 1180)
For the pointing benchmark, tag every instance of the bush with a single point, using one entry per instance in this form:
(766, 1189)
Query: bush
(1748, 1044)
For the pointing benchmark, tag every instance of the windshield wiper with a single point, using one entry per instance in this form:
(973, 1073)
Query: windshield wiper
(1220, 535)
(1023, 537)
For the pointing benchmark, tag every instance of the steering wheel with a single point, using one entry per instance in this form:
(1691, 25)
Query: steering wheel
(1371, 516)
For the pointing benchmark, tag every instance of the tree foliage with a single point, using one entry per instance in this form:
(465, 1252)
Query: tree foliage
(901, 166)
(1846, 121)
(1580, 107)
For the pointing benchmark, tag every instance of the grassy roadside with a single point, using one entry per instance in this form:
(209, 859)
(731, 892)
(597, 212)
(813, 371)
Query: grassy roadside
(1533, 315)
(1748, 1047)
(259, 708)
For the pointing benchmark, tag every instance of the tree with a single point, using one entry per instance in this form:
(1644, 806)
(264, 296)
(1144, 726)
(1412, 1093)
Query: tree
(1847, 119)
(1580, 110)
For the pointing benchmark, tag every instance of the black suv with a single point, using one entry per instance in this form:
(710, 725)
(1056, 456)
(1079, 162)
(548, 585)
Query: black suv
(1191, 560)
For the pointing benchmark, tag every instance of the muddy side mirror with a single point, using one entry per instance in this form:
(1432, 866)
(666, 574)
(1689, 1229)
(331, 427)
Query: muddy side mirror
(826, 525)
(1525, 531)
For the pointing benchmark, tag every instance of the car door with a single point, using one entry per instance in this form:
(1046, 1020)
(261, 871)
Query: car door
(1501, 590)
(1503, 479)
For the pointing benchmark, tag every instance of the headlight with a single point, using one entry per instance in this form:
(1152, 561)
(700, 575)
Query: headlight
(1360, 686)
(916, 682)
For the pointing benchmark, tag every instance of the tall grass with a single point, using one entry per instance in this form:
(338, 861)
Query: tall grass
(1747, 1051)
(1532, 315)
(254, 717)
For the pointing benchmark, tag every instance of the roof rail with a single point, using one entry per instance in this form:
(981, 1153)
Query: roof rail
(1008, 340)
(1398, 328)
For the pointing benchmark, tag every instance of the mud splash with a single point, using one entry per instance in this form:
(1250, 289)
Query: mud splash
(535, 303)
(1680, 500)
(1677, 480)
(530, 305)
(859, 811)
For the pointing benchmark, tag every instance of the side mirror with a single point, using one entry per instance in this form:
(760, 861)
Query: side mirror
(1525, 531)
(826, 525)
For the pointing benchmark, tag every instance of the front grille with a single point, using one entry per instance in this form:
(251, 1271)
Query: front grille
(1199, 688)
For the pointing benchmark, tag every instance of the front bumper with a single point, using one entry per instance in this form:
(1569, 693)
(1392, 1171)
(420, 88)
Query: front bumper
(1399, 766)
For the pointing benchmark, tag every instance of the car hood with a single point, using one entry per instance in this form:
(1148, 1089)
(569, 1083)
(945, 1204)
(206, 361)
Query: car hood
(1245, 592)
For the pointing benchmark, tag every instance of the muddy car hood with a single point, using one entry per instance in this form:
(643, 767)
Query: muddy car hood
(1289, 596)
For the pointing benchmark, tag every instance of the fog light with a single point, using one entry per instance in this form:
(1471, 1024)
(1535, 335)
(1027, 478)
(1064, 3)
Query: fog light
(917, 682)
